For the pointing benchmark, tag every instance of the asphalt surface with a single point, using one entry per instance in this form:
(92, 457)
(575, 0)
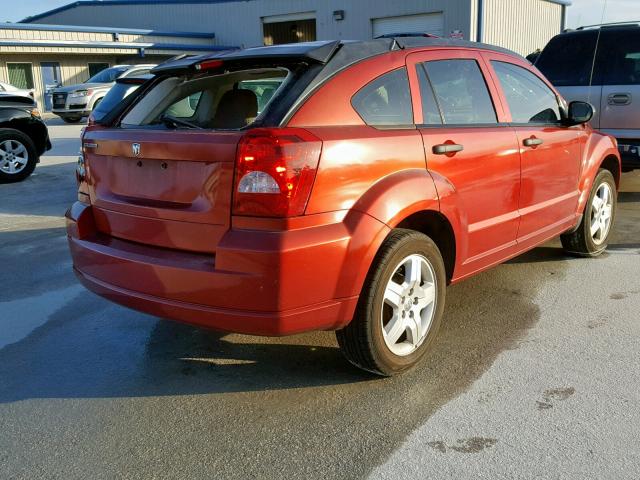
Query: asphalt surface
(535, 373)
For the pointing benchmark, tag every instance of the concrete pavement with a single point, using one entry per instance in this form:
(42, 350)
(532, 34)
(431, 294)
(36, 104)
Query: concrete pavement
(535, 373)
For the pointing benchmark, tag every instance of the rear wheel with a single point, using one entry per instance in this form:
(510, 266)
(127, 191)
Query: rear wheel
(400, 307)
(592, 236)
(18, 156)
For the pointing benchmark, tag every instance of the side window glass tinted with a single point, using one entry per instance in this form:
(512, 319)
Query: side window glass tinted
(567, 59)
(530, 99)
(619, 57)
(386, 100)
(430, 110)
(461, 92)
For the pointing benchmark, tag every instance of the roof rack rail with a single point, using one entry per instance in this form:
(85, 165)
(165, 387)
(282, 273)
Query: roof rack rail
(610, 24)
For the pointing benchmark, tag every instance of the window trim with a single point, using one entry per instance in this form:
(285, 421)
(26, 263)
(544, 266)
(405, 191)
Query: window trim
(511, 123)
(395, 126)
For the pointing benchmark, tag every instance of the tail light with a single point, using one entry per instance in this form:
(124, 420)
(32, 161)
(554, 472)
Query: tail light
(275, 171)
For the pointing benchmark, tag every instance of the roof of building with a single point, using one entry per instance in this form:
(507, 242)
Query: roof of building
(117, 39)
(80, 3)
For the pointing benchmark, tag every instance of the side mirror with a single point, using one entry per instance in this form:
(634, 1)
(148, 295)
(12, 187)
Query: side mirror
(579, 113)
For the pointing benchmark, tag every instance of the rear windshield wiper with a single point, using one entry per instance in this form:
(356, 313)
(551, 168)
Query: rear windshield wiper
(174, 122)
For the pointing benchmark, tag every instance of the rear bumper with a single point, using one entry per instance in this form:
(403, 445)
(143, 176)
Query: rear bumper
(259, 282)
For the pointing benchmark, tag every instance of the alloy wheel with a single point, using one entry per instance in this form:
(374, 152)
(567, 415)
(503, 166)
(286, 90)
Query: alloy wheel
(13, 157)
(601, 214)
(409, 305)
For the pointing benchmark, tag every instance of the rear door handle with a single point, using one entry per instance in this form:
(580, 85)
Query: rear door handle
(619, 99)
(446, 148)
(532, 142)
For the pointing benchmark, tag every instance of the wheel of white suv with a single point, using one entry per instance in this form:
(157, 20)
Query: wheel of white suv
(400, 306)
(18, 156)
(592, 236)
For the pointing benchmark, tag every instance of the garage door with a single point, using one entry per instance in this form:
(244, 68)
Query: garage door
(420, 23)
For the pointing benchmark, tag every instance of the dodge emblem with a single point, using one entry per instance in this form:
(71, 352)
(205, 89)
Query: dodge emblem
(135, 148)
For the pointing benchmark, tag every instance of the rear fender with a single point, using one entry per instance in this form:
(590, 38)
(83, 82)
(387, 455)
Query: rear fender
(388, 202)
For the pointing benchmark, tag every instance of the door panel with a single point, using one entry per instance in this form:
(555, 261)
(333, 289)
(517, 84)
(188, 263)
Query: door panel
(486, 178)
(550, 152)
(478, 155)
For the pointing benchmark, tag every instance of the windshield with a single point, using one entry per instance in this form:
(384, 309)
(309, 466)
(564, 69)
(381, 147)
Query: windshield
(227, 101)
(107, 75)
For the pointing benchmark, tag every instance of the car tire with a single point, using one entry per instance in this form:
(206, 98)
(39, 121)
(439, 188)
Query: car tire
(71, 119)
(14, 147)
(374, 340)
(591, 237)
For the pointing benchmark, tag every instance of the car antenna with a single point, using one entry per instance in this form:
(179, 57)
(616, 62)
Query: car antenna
(395, 45)
(595, 52)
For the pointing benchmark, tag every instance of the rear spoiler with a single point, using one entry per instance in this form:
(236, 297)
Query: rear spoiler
(314, 52)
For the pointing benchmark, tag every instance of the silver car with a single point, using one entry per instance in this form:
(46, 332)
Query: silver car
(75, 102)
(10, 89)
(601, 65)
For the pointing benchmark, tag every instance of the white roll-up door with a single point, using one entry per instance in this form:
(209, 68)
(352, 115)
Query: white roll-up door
(419, 23)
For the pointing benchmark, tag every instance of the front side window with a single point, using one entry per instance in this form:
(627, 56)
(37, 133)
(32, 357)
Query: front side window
(460, 91)
(386, 101)
(530, 99)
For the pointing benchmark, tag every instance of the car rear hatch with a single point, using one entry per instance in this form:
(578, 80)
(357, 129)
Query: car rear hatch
(173, 187)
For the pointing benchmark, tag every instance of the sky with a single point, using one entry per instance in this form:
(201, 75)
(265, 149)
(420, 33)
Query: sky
(582, 12)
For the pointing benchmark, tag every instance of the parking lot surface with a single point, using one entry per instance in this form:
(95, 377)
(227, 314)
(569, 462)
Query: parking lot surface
(535, 373)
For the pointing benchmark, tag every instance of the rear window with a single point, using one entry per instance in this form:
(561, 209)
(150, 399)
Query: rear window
(567, 59)
(227, 101)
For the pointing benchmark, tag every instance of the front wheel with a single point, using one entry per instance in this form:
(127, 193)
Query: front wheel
(18, 156)
(400, 307)
(592, 236)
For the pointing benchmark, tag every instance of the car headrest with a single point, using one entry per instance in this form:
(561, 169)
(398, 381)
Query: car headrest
(236, 109)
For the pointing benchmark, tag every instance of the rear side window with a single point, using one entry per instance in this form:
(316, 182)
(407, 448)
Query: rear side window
(116, 94)
(385, 101)
(530, 99)
(618, 57)
(567, 59)
(461, 92)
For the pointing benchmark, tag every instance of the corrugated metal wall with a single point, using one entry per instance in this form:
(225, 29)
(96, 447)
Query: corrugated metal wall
(520, 25)
(74, 69)
(239, 23)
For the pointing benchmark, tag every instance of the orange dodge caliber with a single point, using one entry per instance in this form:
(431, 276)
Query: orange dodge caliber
(334, 186)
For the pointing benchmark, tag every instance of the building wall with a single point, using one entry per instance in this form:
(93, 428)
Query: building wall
(522, 29)
(239, 23)
(73, 68)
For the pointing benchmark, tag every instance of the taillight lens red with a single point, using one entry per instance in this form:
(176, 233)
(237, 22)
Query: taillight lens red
(275, 171)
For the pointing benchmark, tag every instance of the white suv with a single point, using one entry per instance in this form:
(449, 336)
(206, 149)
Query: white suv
(75, 102)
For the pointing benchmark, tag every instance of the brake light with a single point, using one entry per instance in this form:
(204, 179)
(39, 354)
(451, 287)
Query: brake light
(209, 65)
(275, 171)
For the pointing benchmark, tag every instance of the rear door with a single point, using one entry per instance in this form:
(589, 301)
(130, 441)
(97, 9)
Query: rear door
(550, 152)
(618, 70)
(467, 145)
